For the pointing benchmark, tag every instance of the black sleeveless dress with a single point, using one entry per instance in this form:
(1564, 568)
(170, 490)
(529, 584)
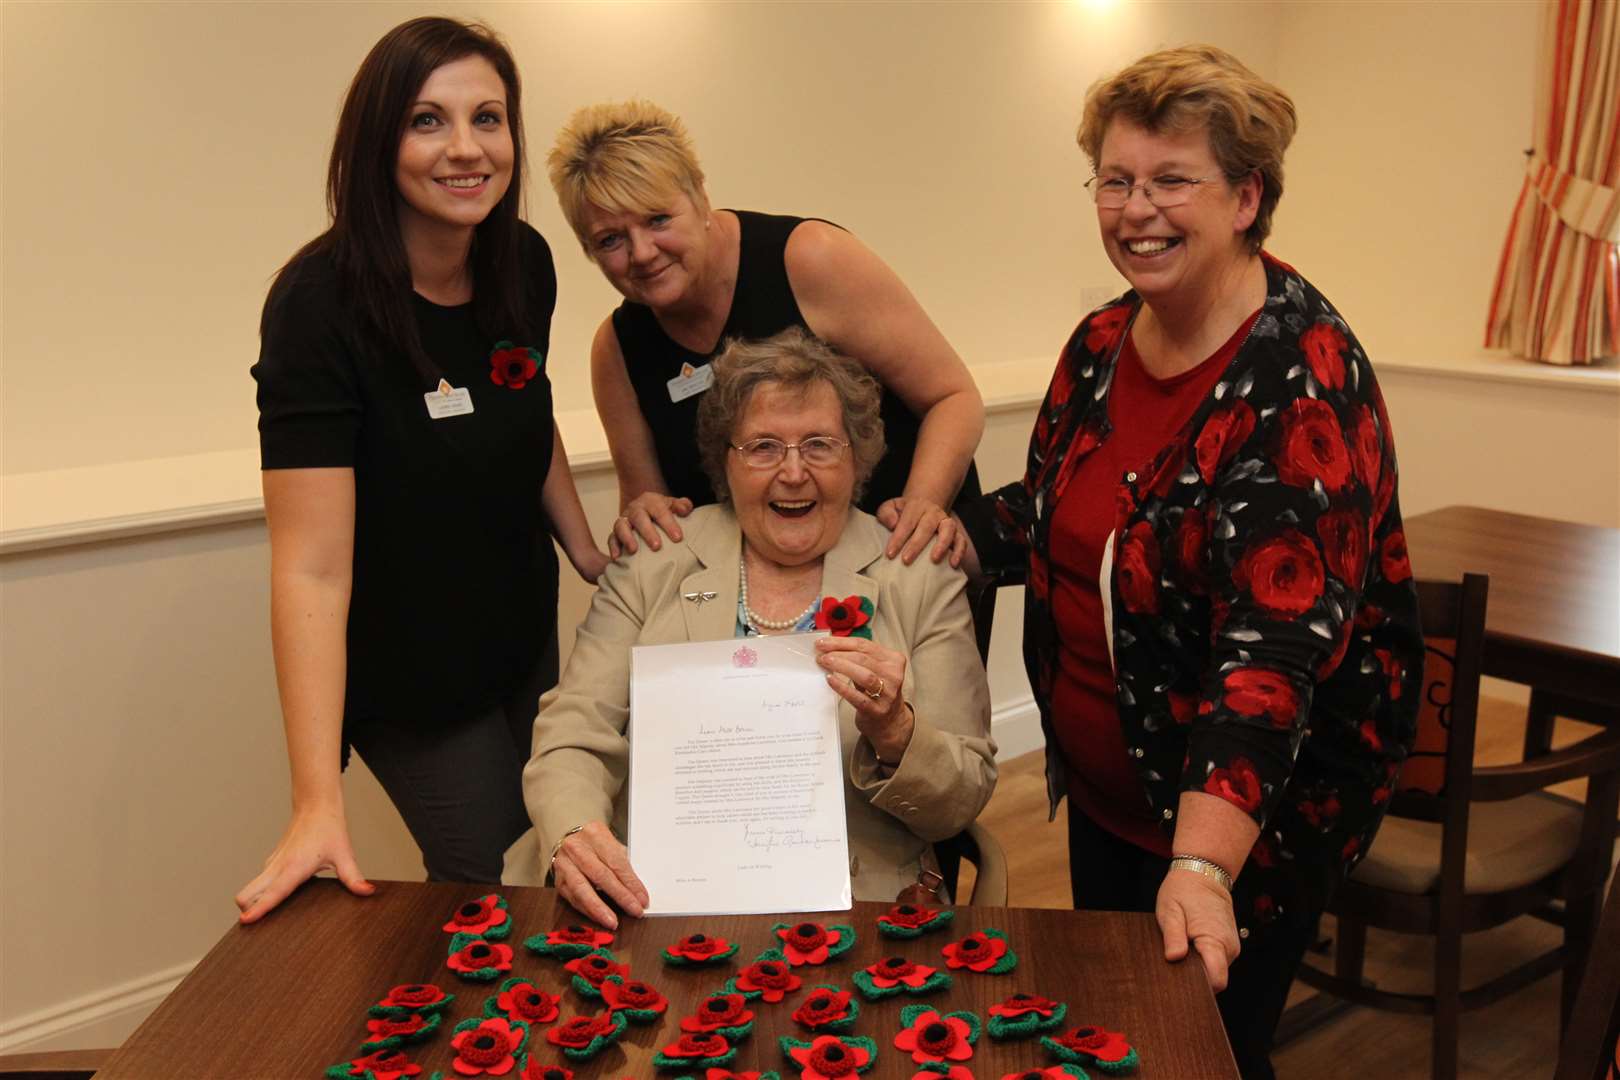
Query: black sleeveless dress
(762, 305)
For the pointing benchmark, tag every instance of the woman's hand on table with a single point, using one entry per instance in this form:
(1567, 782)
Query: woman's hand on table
(869, 676)
(643, 517)
(915, 522)
(314, 841)
(1195, 912)
(591, 863)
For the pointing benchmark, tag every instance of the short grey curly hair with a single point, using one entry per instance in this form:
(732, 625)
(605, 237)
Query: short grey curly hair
(797, 360)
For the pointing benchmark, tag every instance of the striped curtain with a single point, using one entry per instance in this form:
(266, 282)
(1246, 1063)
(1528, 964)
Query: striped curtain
(1557, 295)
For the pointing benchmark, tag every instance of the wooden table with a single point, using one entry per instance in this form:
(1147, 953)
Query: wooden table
(287, 998)
(1553, 618)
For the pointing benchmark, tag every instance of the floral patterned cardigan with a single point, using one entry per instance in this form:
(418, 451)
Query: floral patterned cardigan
(1263, 617)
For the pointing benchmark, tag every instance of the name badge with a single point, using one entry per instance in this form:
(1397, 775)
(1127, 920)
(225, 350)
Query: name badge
(448, 401)
(690, 382)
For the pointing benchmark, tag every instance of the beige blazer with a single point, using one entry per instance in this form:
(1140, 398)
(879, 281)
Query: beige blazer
(581, 755)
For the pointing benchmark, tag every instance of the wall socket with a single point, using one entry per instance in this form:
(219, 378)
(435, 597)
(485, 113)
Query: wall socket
(1093, 297)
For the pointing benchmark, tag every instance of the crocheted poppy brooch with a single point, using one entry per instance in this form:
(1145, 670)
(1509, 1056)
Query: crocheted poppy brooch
(696, 1051)
(1094, 1046)
(1051, 1072)
(721, 1014)
(727, 1074)
(392, 1032)
(813, 943)
(930, 1036)
(985, 952)
(829, 1057)
(512, 366)
(488, 1045)
(828, 1008)
(534, 1069)
(477, 960)
(910, 921)
(520, 999)
(849, 617)
(583, 1037)
(940, 1070)
(897, 975)
(591, 970)
(640, 1003)
(699, 949)
(1023, 1015)
(485, 917)
(412, 998)
(382, 1065)
(568, 942)
(767, 979)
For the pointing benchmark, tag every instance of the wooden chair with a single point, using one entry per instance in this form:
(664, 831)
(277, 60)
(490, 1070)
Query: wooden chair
(1465, 849)
(56, 1065)
(1591, 1049)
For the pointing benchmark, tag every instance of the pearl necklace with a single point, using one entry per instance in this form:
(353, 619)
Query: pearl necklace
(753, 617)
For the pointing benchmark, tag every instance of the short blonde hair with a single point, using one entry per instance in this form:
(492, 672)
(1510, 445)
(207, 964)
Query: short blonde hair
(796, 360)
(1250, 122)
(622, 156)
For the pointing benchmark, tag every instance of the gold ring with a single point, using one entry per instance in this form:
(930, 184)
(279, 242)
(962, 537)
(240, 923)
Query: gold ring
(878, 693)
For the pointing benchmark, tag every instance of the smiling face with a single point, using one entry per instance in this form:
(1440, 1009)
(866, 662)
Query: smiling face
(455, 157)
(791, 514)
(1178, 252)
(654, 257)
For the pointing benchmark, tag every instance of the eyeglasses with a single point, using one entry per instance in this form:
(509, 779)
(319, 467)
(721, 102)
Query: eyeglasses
(818, 451)
(1113, 192)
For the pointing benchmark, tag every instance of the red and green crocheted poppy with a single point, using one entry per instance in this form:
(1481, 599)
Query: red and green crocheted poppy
(849, 617)
(583, 1037)
(897, 975)
(985, 952)
(831, 1057)
(592, 969)
(696, 1051)
(488, 1046)
(520, 999)
(412, 997)
(813, 943)
(485, 917)
(1022, 1015)
(639, 1002)
(535, 1069)
(1051, 1072)
(1094, 1046)
(477, 960)
(722, 1014)
(392, 1032)
(727, 1074)
(382, 1065)
(512, 366)
(939, 1070)
(567, 942)
(827, 1008)
(931, 1036)
(769, 978)
(911, 920)
(699, 949)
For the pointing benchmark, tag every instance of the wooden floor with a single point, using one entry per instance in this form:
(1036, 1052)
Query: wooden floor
(1514, 1038)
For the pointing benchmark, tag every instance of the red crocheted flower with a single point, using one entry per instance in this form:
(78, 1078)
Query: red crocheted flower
(932, 1037)
(388, 1026)
(823, 1007)
(512, 366)
(490, 1047)
(476, 916)
(1020, 1004)
(898, 971)
(412, 996)
(698, 1045)
(480, 955)
(579, 935)
(908, 916)
(637, 996)
(727, 1074)
(524, 1001)
(844, 617)
(719, 1011)
(770, 978)
(1100, 1043)
(1051, 1072)
(829, 1057)
(385, 1065)
(977, 952)
(534, 1070)
(577, 1033)
(594, 969)
(806, 942)
(698, 947)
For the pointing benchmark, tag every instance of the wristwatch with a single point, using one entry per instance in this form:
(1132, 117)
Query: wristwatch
(1200, 865)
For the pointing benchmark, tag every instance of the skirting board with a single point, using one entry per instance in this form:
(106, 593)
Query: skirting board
(1016, 727)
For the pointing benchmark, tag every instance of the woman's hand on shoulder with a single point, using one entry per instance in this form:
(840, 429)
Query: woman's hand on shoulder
(314, 841)
(915, 522)
(592, 863)
(644, 516)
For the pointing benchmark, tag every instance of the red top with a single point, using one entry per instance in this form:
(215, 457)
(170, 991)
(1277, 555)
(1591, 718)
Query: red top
(1145, 414)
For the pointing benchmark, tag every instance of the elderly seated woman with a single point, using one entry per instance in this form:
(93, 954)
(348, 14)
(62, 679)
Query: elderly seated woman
(788, 433)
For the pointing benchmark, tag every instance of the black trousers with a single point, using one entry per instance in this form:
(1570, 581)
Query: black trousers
(1110, 874)
(459, 784)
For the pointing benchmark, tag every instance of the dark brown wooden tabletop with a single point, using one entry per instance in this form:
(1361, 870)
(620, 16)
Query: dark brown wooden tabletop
(287, 998)
(1553, 617)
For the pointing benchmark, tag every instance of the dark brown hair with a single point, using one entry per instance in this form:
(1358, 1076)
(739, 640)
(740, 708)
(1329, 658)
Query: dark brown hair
(362, 195)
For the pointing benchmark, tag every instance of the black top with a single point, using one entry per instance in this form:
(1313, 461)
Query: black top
(762, 304)
(455, 576)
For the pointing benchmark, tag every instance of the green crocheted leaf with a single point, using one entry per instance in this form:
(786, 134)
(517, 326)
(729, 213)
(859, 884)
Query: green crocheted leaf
(846, 940)
(664, 1061)
(1022, 1027)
